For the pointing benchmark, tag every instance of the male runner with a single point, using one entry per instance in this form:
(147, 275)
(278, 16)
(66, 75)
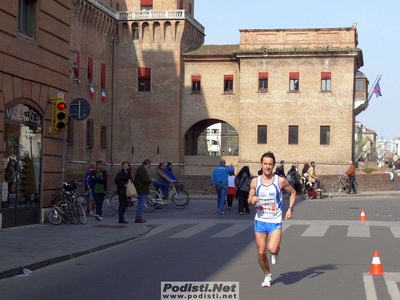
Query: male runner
(266, 195)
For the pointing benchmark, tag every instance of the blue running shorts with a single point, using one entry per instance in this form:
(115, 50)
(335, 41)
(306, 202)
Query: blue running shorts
(266, 228)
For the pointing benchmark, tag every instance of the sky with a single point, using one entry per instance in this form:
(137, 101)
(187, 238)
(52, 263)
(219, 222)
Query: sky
(378, 37)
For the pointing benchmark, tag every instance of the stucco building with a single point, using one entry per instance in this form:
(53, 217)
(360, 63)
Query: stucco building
(154, 89)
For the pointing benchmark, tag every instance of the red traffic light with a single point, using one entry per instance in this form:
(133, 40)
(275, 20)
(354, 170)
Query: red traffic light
(61, 105)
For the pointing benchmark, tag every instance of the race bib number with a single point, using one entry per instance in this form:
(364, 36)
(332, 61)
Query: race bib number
(267, 207)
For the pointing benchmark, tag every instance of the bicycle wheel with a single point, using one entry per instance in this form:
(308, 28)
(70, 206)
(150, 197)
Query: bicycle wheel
(336, 188)
(54, 217)
(153, 199)
(110, 205)
(324, 193)
(180, 199)
(80, 211)
(304, 193)
(84, 201)
(68, 207)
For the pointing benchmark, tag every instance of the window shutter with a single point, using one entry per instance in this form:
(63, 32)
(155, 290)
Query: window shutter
(263, 75)
(196, 78)
(103, 76)
(90, 68)
(144, 73)
(228, 77)
(325, 75)
(294, 75)
(146, 2)
(77, 61)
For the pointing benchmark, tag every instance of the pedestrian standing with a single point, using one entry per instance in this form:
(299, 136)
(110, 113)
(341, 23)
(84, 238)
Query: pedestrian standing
(266, 195)
(99, 177)
(89, 188)
(220, 178)
(231, 193)
(351, 173)
(297, 183)
(121, 180)
(243, 180)
(142, 183)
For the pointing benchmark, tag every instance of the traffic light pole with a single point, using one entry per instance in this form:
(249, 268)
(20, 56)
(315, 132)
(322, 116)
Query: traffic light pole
(63, 158)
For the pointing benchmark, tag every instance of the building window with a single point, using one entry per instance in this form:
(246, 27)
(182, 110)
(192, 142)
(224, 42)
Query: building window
(228, 84)
(181, 4)
(89, 133)
(261, 134)
(135, 31)
(360, 84)
(146, 4)
(26, 17)
(293, 135)
(325, 81)
(294, 81)
(263, 82)
(144, 79)
(214, 142)
(103, 76)
(196, 80)
(325, 135)
(90, 69)
(214, 130)
(103, 137)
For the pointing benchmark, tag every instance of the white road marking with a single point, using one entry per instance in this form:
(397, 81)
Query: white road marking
(316, 230)
(358, 231)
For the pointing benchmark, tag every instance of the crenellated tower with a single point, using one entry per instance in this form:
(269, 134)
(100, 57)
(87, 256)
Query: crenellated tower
(150, 41)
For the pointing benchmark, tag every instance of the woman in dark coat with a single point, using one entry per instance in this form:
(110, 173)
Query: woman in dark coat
(243, 181)
(121, 180)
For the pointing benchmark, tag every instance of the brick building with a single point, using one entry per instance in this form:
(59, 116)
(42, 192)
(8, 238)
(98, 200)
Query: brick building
(154, 88)
(34, 67)
(290, 91)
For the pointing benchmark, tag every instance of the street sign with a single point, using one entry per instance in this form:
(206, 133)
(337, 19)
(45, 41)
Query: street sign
(79, 109)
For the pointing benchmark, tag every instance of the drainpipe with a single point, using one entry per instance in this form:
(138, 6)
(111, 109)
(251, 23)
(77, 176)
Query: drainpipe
(112, 103)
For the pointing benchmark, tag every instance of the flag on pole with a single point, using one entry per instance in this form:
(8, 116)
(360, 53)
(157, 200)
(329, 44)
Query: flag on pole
(91, 89)
(377, 89)
(103, 95)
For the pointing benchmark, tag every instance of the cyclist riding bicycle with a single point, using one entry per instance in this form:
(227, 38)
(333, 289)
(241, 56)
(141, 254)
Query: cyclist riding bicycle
(171, 175)
(162, 180)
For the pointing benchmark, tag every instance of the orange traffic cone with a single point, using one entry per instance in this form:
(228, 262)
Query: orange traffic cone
(376, 266)
(363, 217)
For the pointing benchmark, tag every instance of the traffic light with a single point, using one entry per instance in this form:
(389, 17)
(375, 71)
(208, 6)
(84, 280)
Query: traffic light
(59, 115)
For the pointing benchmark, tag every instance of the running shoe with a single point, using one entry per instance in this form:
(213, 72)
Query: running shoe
(267, 280)
(274, 259)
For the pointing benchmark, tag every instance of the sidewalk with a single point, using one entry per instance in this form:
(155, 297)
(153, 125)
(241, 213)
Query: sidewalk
(39, 245)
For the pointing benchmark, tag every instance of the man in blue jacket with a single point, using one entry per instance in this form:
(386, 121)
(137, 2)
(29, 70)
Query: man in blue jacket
(220, 178)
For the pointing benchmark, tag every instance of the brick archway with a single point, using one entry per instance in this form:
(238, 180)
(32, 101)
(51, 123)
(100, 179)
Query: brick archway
(199, 142)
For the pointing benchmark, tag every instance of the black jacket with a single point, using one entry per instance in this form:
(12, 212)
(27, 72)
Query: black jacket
(142, 181)
(121, 179)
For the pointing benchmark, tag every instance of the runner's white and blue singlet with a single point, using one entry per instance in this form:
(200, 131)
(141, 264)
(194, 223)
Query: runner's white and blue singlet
(269, 205)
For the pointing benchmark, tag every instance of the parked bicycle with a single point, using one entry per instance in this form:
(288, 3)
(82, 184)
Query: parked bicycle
(79, 202)
(111, 205)
(64, 211)
(178, 196)
(339, 186)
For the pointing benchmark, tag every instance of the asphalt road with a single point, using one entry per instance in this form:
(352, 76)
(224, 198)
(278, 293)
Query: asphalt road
(326, 253)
